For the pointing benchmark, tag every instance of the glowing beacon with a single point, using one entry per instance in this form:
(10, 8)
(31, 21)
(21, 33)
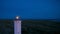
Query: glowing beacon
(17, 25)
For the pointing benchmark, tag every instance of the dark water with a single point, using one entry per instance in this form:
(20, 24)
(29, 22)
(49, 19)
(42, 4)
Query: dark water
(31, 26)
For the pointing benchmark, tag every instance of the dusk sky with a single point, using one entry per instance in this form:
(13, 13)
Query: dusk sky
(30, 9)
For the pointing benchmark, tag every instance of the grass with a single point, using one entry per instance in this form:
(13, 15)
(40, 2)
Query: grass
(31, 26)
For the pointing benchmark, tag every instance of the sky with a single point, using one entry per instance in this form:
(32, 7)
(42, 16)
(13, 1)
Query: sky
(30, 9)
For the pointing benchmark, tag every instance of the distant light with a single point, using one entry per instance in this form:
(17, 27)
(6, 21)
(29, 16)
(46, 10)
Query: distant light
(17, 17)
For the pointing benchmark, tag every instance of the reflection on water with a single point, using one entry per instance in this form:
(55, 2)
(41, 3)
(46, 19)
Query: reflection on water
(31, 27)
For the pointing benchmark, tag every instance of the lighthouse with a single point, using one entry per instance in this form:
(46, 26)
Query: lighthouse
(17, 25)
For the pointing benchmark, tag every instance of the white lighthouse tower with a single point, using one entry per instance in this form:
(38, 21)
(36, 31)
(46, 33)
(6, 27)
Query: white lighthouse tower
(17, 25)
